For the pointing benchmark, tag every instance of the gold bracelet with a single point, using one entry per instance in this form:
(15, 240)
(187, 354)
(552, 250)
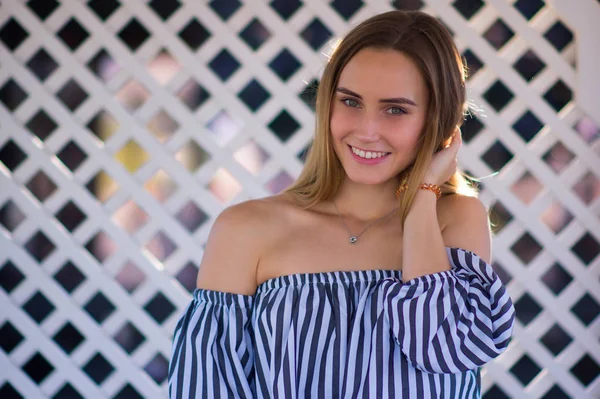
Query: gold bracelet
(433, 187)
(425, 186)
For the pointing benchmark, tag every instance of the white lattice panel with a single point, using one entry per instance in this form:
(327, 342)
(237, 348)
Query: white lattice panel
(127, 126)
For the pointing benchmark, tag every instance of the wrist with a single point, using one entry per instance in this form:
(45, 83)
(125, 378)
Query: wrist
(430, 180)
(426, 195)
(423, 206)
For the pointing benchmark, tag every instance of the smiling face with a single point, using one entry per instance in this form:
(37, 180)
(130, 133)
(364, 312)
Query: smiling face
(378, 112)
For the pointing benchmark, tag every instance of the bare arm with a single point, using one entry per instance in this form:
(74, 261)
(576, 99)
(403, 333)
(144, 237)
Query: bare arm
(233, 250)
(213, 350)
(459, 312)
(424, 244)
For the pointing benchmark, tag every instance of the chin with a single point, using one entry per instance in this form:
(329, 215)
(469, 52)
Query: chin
(371, 179)
(368, 175)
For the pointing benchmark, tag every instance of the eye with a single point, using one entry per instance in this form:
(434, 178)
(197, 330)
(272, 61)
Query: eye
(350, 102)
(396, 111)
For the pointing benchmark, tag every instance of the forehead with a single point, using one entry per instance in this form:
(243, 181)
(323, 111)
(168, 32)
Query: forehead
(383, 73)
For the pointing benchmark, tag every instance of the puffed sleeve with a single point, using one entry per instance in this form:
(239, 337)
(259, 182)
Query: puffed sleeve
(212, 348)
(451, 321)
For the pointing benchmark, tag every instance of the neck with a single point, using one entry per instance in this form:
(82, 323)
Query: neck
(366, 202)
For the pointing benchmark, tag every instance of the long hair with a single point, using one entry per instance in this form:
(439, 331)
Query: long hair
(429, 45)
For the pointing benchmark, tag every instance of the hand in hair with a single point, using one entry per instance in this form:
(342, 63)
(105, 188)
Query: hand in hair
(443, 164)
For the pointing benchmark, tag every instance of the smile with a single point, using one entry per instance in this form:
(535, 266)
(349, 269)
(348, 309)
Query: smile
(368, 154)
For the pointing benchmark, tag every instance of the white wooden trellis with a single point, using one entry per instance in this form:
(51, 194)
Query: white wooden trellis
(173, 169)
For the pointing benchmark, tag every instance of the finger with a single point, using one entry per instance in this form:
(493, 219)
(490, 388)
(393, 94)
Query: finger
(457, 138)
(452, 139)
(457, 134)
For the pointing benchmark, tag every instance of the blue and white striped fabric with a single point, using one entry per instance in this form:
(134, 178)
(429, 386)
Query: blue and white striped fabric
(345, 334)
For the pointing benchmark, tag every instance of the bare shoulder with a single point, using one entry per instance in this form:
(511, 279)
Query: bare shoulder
(466, 224)
(235, 243)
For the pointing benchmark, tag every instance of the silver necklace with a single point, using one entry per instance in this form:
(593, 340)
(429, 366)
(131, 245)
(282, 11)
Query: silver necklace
(354, 238)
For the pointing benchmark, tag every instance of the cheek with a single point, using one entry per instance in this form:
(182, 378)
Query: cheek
(341, 122)
(403, 136)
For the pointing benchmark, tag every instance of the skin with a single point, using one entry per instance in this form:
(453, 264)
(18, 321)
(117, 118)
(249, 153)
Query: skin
(363, 115)
(274, 237)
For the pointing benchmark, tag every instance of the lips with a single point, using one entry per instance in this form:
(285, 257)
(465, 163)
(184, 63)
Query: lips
(366, 156)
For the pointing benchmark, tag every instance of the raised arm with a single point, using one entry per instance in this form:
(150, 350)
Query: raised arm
(456, 221)
(451, 313)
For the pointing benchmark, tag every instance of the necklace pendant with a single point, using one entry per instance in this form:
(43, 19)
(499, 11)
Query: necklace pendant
(353, 239)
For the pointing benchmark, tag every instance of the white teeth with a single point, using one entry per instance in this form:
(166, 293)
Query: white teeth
(367, 154)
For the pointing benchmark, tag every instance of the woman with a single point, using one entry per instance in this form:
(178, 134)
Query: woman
(371, 275)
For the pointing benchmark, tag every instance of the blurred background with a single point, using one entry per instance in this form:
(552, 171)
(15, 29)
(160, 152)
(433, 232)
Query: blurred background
(127, 126)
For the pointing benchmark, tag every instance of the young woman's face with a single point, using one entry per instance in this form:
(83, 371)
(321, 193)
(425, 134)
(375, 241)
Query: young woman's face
(378, 113)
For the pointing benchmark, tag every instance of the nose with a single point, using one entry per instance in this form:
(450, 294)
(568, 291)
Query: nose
(367, 129)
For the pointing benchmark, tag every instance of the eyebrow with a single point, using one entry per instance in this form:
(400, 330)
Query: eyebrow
(398, 100)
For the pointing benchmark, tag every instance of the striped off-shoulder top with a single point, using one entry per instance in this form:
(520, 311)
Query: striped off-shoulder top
(345, 334)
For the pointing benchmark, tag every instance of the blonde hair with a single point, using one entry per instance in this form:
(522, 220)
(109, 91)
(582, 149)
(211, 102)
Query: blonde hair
(430, 46)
